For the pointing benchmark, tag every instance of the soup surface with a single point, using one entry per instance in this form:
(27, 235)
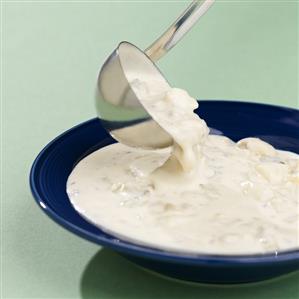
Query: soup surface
(206, 194)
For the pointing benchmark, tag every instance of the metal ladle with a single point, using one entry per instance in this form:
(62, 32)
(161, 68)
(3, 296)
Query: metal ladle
(117, 101)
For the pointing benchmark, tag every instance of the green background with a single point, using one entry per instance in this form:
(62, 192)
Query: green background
(51, 53)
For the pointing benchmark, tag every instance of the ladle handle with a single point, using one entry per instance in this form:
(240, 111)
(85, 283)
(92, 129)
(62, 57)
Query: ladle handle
(178, 29)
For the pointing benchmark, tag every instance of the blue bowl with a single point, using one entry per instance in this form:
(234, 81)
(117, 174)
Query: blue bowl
(276, 125)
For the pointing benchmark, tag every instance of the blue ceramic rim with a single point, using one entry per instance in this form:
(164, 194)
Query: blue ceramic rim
(144, 251)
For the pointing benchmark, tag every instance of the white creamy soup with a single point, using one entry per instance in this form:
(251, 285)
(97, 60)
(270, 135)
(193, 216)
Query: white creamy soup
(206, 194)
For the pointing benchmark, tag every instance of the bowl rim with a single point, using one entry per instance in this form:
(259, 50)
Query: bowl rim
(130, 248)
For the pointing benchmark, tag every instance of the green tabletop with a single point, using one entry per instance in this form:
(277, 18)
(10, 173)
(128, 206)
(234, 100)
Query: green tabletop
(51, 53)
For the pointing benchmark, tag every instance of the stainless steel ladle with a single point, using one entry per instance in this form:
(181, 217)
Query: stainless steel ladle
(117, 101)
